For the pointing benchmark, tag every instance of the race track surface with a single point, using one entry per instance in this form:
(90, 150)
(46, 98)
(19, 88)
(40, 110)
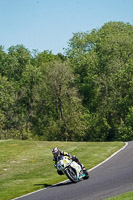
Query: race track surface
(112, 178)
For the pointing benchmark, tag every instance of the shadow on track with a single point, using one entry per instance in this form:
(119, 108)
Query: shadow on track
(45, 185)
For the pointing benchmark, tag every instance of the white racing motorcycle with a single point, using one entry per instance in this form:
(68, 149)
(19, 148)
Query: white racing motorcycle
(72, 169)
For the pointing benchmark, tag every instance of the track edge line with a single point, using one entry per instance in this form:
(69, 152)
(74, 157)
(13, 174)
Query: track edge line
(126, 144)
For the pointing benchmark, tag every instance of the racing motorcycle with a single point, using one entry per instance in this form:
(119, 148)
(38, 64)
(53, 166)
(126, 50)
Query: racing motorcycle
(72, 169)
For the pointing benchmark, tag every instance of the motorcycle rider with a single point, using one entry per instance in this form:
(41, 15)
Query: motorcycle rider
(57, 153)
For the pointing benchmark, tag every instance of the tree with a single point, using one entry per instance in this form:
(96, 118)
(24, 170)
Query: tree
(6, 107)
(61, 109)
(103, 60)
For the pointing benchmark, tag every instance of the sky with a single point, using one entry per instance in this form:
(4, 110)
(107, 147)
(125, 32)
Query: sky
(49, 24)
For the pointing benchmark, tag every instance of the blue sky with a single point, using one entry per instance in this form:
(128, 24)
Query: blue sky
(50, 24)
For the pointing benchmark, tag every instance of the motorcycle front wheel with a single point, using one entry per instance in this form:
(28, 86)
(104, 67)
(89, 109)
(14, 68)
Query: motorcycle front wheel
(71, 174)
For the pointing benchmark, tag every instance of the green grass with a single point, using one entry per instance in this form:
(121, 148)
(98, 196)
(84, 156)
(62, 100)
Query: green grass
(125, 196)
(26, 166)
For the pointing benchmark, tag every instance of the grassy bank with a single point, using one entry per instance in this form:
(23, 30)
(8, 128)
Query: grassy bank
(26, 166)
(125, 196)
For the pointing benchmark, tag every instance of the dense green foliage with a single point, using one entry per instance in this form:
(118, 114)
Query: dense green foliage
(86, 94)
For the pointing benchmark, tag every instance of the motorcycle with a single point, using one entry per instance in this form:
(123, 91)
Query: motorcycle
(71, 169)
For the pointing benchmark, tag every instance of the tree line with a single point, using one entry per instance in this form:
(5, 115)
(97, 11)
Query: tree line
(84, 95)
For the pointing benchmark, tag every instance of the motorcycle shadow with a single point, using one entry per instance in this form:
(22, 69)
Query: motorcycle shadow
(63, 184)
(45, 185)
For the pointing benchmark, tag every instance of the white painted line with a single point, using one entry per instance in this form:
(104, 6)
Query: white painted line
(29, 194)
(40, 190)
(126, 143)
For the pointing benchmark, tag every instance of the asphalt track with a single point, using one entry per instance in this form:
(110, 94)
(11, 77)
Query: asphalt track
(112, 178)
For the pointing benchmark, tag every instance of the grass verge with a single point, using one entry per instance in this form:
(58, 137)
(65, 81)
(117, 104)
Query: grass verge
(26, 166)
(125, 196)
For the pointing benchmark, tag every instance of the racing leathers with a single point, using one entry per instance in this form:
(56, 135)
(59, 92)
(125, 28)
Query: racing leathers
(74, 158)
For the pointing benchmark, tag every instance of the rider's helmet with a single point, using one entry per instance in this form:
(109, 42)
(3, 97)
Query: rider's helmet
(55, 151)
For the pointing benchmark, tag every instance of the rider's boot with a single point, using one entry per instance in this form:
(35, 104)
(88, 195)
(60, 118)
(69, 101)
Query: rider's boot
(83, 168)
